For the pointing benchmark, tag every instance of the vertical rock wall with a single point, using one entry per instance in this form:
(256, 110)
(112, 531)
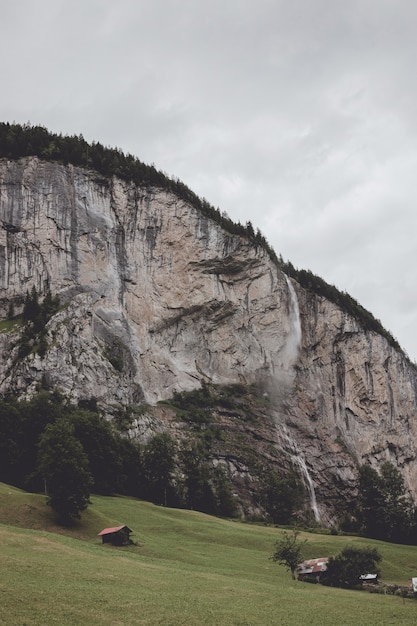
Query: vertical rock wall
(157, 298)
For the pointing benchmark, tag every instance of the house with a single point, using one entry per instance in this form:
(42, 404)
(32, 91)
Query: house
(311, 570)
(118, 535)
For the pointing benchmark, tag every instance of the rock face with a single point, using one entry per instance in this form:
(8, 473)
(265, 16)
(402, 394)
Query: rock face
(158, 299)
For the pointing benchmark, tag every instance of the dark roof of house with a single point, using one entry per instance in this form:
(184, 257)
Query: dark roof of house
(115, 529)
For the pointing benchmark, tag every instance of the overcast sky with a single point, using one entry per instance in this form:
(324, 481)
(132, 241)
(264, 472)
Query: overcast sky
(299, 115)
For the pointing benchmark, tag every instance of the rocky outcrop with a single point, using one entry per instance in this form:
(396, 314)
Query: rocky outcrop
(157, 298)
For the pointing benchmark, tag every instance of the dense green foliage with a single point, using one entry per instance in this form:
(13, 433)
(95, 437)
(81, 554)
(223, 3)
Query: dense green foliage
(181, 474)
(345, 569)
(63, 465)
(161, 471)
(159, 466)
(205, 486)
(103, 445)
(24, 423)
(385, 510)
(283, 496)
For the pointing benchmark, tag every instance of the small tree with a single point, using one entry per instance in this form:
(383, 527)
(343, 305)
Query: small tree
(289, 551)
(64, 466)
(345, 569)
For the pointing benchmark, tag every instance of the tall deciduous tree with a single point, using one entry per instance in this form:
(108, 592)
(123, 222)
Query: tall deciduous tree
(64, 466)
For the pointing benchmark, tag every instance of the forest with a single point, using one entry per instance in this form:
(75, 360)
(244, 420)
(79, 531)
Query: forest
(48, 445)
(70, 451)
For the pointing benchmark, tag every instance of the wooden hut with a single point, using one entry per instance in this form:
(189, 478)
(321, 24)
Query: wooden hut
(312, 569)
(118, 535)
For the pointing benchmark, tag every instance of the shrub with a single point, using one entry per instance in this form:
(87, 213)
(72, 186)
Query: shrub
(345, 569)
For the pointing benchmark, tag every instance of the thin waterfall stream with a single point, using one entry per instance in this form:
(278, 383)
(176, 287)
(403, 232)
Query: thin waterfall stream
(294, 335)
(292, 449)
(289, 445)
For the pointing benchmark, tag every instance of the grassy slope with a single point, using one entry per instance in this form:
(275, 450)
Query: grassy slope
(187, 569)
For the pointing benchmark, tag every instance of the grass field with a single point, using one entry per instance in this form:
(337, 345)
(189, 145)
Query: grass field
(187, 569)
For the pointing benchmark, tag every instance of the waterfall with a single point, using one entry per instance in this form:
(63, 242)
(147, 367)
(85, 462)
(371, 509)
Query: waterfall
(294, 336)
(284, 380)
(298, 460)
(292, 348)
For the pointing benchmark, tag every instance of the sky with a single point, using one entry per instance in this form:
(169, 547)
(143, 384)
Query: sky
(298, 115)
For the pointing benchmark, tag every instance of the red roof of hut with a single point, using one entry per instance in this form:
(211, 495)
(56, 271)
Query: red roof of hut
(115, 529)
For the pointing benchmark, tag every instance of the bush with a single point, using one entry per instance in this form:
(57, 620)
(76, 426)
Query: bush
(345, 569)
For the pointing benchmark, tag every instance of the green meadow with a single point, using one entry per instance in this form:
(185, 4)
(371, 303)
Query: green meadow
(185, 568)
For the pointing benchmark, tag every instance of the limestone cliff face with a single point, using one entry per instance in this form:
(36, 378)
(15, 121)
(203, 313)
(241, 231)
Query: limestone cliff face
(355, 399)
(158, 298)
(144, 274)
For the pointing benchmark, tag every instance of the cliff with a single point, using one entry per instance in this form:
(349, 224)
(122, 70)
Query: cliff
(157, 299)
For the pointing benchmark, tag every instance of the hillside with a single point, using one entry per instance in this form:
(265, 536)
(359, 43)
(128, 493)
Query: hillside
(148, 296)
(188, 568)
